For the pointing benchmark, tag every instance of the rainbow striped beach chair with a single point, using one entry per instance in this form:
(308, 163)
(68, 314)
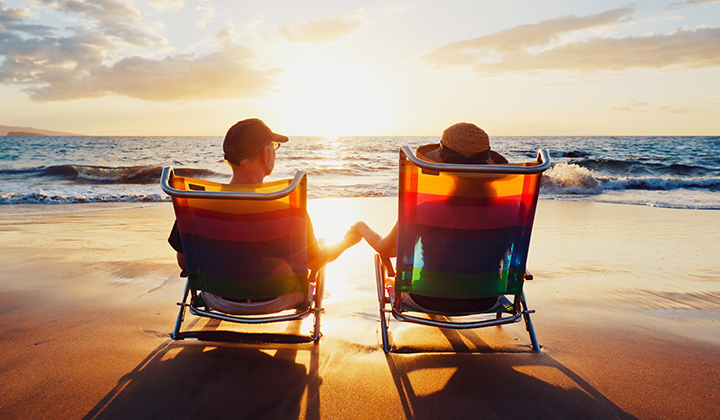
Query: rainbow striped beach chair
(463, 239)
(246, 243)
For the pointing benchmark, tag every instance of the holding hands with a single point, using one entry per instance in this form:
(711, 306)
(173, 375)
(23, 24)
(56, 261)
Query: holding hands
(385, 246)
(352, 237)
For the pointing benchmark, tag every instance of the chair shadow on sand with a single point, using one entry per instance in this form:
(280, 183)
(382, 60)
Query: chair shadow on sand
(253, 375)
(223, 374)
(491, 382)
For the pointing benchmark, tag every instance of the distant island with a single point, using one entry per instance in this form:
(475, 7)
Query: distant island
(8, 130)
(23, 133)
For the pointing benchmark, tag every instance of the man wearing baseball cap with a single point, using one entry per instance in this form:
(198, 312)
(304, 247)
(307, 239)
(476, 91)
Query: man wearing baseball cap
(249, 148)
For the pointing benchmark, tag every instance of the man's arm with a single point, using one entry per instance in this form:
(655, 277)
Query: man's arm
(328, 253)
(176, 244)
(181, 264)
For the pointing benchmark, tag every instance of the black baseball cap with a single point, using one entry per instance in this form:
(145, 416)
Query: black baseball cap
(247, 138)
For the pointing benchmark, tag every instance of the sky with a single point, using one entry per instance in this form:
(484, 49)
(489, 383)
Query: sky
(371, 68)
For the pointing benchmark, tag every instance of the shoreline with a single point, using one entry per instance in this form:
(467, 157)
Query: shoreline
(47, 208)
(626, 297)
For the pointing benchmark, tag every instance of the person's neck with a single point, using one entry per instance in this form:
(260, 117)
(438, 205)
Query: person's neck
(240, 179)
(248, 175)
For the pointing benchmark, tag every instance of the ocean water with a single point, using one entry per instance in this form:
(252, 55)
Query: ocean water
(675, 172)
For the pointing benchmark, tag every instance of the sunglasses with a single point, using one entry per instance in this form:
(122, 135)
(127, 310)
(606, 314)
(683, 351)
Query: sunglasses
(275, 145)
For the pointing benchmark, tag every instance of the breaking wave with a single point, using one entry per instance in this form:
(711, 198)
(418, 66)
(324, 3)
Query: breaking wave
(572, 178)
(569, 179)
(102, 174)
(639, 167)
(59, 198)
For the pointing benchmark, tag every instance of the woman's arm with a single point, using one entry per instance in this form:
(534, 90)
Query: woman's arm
(385, 246)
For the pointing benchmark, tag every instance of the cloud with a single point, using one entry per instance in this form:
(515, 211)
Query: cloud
(48, 59)
(630, 105)
(685, 48)
(319, 32)
(689, 3)
(517, 39)
(73, 72)
(51, 67)
(635, 105)
(167, 4)
(11, 22)
(112, 18)
(205, 15)
(671, 109)
(222, 75)
(540, 47)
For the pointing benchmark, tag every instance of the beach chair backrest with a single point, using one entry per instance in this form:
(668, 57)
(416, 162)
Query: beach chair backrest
(243, 241)
(465, 232)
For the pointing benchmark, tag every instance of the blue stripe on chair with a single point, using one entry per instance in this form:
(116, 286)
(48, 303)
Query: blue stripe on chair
(450, 255)
(440, 232)
(219, 260)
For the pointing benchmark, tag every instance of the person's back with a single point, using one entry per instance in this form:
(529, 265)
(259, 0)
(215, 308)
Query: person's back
(249, 148)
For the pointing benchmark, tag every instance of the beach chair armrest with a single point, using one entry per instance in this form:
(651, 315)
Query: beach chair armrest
(527, 275)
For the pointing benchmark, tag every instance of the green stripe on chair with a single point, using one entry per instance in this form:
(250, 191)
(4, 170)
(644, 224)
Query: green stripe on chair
(263, 288)
(443, 285)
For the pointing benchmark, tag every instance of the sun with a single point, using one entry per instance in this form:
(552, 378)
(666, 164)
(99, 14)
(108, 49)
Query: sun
(329, 97)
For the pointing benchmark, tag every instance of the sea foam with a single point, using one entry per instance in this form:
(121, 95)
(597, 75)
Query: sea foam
(570, 179)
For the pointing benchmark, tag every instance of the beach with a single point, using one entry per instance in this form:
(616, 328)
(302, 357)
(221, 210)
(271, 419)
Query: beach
(627, 299)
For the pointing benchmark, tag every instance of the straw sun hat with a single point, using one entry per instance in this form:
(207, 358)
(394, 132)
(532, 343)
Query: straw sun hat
(461, 143)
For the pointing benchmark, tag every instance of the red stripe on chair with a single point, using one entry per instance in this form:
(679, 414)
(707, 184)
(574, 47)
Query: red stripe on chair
(422, 198)
(460, 217)
(188, 210)
(265, 230)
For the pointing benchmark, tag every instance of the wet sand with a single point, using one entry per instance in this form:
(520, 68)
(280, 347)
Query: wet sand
(627, 301)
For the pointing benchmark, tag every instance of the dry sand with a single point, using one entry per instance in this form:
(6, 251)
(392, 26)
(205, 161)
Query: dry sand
(627, 301)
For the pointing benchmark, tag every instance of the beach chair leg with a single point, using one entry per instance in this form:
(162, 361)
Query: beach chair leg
(316, 327)
(528, 324)
(319, 292)
(382, 301)
(384, 331)
(181, 313)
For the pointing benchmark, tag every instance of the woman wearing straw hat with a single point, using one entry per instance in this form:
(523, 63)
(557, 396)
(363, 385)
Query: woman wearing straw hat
(461, 143)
